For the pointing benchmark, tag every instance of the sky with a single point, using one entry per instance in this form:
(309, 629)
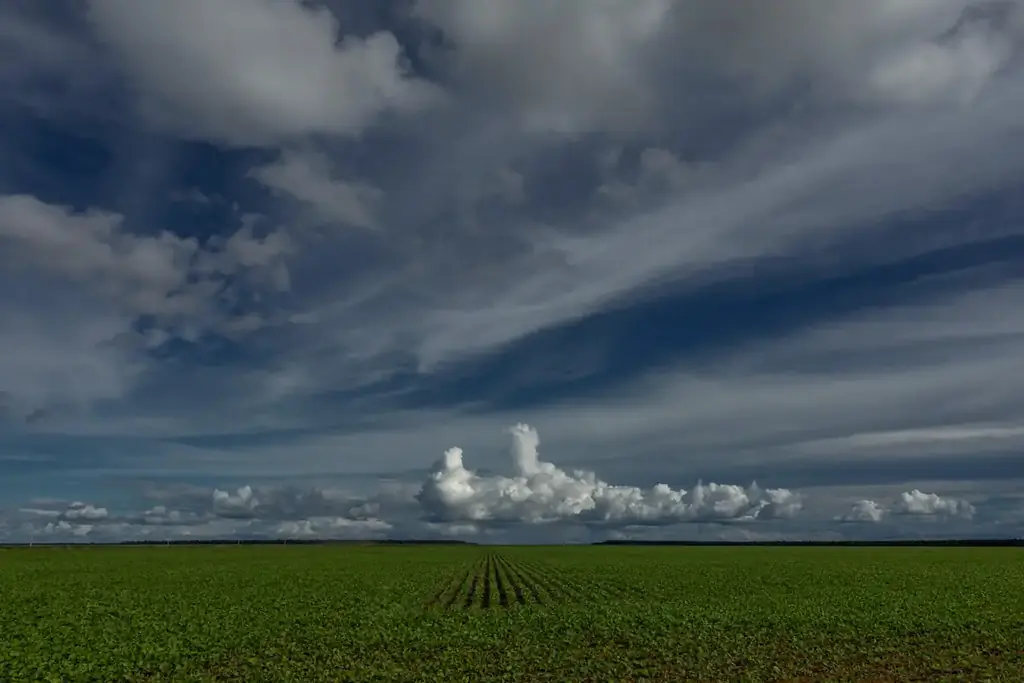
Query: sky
(544, 271)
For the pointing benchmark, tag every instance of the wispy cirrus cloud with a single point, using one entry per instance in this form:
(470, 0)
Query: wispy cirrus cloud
(400, 231)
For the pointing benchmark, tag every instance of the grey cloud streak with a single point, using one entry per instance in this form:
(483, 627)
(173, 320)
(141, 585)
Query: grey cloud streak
(396, 207)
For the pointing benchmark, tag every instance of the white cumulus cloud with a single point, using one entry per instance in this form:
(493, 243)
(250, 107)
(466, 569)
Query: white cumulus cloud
(865, 511)
(241, 503)
(64, 528)
(541, 492)
(918, 503)
(85, 512)
(913, 503)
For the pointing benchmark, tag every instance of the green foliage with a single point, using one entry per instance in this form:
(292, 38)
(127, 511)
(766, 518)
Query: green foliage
(378, 613)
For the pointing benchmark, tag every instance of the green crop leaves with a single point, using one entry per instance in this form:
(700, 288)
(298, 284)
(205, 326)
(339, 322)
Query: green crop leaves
(377, 613)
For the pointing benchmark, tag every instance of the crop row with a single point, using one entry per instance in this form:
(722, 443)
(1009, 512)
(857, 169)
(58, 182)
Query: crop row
(495, 580)
(511, 613)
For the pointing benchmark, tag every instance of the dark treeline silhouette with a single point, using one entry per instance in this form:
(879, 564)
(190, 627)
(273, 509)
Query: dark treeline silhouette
(251, 541)
(938, 542)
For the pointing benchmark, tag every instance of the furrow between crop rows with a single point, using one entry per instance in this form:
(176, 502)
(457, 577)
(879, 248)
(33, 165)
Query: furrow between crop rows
(453, 597)
(474, 589)
(456, 595)
(321, 613)
(545, 585)
(557, 585)
(603, 589)
(541, 594)
(495, 581)
(523, 592)
(589, 588)
(451, 588)
(485, 599)
(500, 583)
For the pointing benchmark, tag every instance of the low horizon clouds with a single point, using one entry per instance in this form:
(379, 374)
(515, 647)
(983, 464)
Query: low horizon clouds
(453, 501)
(230, 267)
(540, 492)
(910, 503)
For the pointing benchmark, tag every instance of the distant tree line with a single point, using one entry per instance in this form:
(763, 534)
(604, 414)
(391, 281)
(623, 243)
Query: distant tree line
(943, 543)
(244, 541)
(939, 543)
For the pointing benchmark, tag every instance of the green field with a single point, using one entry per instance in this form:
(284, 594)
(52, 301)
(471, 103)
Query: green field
(435, 613)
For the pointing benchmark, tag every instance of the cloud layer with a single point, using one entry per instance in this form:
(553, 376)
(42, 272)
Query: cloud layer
(540, 492)
(261, 72)
(911, 503)
(686, 244)
(538, 501)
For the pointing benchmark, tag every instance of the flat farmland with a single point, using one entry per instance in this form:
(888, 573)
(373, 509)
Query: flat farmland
(451, 613)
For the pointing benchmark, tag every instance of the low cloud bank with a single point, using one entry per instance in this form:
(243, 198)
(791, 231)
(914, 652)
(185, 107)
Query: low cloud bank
(865, 511)
(913, 503)
(246, 512)
(536, 497)
(541, 492)
(73, 512)
(917, 503)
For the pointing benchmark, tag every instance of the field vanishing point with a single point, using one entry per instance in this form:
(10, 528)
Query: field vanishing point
(486, 613)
